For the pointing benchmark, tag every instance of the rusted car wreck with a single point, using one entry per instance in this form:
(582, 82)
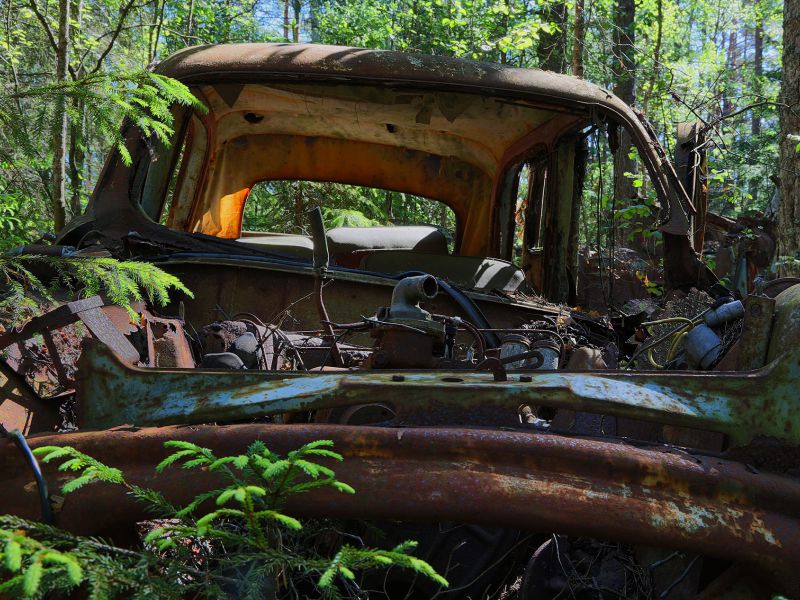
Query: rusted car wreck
(456, 382)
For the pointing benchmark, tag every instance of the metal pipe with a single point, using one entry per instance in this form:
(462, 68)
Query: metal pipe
(409, 292)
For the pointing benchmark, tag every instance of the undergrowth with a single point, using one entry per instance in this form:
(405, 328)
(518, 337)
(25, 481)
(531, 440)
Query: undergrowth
(233, 541)
(23, 293)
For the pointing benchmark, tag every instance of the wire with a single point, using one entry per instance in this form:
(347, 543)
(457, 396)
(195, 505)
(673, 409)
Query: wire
(41, 484)
(670, 320)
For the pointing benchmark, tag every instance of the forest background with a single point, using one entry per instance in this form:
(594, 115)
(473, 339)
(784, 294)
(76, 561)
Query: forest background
(72, 69)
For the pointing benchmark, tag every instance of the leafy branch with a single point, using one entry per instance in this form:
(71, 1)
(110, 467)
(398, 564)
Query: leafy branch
(123, 282)
(231, 541)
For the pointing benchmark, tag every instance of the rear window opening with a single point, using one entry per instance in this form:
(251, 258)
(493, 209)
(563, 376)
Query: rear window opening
(281, 206)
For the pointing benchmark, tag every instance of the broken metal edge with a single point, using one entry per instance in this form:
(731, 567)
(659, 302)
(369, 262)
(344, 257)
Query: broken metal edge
(523, 480)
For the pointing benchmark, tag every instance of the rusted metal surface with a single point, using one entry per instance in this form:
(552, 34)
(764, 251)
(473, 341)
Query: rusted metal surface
(111, 394)
(87, 311)
(427, 79)
(691, 164)
(756, 333)
(786, 323)
(167, 345)
(522, 480)
(776, 286)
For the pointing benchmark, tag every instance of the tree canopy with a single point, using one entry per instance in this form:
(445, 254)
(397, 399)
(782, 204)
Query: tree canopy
(72, 69)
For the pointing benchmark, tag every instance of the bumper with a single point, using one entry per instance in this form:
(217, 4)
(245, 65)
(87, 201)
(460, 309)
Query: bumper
(532, 481)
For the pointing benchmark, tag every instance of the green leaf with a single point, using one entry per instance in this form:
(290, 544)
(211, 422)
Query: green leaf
(71, 566)
(282, 519)
(225, 496)
(172, 458)
(13, 556)
(204, 522)
(342, 487)
(323, 452)
(32, 578)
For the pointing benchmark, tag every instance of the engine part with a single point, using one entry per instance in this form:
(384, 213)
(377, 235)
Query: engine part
(586, 359)
(246, 347)
(255, 344)
(550, 351)
(756, 332)
(220, 335)
(167, 345)
(407, 335)
(222, 360)
(729, 311)
(702, 346)
(515, 345)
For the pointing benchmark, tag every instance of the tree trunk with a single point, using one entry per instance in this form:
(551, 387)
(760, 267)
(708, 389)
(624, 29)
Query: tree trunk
(313, 20)
(299, 205)
(77, 158)
(60, 130)
(77, 154)
(552, 49)
(624, 87)
(789, 213)
(286, 20)
(578, 39)
(298, 6)
(758, 71)
(656, 73)
(190, 21)
(728, 104)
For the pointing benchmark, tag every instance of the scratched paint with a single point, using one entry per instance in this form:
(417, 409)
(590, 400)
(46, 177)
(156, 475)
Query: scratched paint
(110, 394)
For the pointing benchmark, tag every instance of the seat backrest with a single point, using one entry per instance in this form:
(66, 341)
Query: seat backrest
(298, 246)
(471, 272)
(347, 245)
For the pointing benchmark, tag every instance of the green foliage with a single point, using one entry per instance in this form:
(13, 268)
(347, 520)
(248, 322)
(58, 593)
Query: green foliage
(140, 98)
(27, 560)
(38, 559)
(247, 546)
(89, 468)
(22, 292)
(691, 61)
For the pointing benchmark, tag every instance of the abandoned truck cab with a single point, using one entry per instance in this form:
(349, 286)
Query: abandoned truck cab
(441, 356)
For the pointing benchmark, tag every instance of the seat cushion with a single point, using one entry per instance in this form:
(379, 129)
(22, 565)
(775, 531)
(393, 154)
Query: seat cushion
(471, 272)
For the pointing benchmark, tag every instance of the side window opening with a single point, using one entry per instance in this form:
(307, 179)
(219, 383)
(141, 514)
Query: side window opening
(529, 209)
(619, 244)
(166, 209)
(168, 191)
(520, 209)
(537, 192)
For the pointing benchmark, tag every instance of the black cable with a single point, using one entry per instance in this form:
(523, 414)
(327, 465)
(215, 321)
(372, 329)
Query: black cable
(41, 484)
